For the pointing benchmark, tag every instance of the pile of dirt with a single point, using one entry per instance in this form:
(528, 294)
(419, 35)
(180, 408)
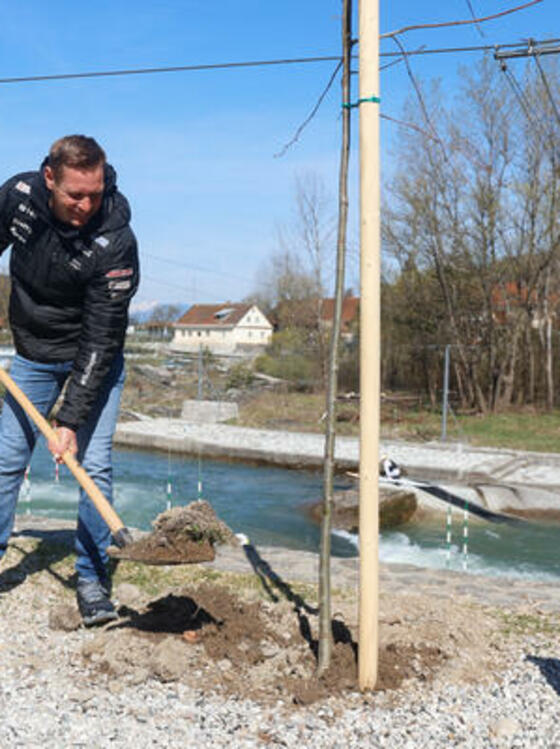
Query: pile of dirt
(181, 535)
(218, 641)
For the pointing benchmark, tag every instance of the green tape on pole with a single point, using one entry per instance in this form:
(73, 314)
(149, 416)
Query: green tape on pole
(350, 105)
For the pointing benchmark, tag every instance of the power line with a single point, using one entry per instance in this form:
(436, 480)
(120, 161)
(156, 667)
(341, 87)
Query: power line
(199, 268)
(519, 95)
(195, 291)
(252, 63)
(496, 48)
(547, 88)
(531, 48)
(170, 69)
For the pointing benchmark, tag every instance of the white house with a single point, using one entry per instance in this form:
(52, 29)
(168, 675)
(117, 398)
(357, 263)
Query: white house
(224, 329)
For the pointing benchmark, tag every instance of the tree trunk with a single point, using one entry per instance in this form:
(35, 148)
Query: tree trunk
(325, 628)
(548, 346)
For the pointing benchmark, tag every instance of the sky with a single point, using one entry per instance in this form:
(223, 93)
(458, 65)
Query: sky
(197, 152)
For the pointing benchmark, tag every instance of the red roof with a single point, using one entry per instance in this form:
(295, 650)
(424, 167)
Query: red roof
(223, 315)
(350, 308)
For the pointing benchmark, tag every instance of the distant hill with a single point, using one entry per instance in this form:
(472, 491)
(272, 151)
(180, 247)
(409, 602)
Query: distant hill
(146, 311)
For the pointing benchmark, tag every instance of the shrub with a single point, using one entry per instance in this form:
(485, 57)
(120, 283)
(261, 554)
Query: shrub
(239, 376)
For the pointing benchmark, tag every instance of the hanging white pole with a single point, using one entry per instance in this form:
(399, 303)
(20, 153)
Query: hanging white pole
(369, 341)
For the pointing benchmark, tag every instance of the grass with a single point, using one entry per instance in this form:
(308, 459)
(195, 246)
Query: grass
(522, 429)
(32, 556)
(527, 624)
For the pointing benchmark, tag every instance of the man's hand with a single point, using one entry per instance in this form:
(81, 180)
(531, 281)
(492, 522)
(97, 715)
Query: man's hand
(65, 440)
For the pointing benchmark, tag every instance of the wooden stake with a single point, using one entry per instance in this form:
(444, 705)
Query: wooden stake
(369, 342)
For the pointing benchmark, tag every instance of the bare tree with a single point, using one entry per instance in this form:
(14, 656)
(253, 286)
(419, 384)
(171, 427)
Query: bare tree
(325, 633)
(480, 214)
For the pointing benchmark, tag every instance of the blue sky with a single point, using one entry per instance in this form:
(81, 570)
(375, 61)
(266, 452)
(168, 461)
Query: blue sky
(195, 151)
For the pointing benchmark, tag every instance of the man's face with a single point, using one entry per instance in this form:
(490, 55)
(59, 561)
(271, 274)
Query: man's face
(76, 195)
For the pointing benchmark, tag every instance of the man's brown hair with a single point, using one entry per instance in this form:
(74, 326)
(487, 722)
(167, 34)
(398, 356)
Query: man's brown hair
(75, 151)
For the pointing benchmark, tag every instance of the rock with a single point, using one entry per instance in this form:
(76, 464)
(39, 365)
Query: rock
(396, 507)
(65, 617)
(168, 661)
(128, 594)
(505, 728)
(209, 412)
(95, 646)
(138, 676)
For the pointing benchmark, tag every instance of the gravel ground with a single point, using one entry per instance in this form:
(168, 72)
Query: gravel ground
(59, 703)
(51, 697)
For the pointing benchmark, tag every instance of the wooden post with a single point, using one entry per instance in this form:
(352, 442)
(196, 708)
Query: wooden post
(369, 342)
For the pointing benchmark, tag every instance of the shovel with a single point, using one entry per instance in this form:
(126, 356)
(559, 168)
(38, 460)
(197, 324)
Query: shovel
(119, 531)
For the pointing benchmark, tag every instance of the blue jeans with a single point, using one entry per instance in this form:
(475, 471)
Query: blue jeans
(42, 384)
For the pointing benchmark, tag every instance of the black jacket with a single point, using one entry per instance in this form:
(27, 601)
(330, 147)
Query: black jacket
(70, 287)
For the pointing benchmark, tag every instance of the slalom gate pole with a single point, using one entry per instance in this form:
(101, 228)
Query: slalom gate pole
(449, 526)
(465, 536)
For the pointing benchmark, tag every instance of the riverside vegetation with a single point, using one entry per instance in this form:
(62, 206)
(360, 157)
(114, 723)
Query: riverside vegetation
(158, 387)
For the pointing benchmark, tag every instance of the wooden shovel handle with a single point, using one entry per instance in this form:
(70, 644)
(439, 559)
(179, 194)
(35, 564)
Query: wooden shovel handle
(97, 497)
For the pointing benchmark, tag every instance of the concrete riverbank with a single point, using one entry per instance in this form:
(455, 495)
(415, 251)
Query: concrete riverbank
(498, 480)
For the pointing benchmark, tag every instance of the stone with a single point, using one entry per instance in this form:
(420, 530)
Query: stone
(505, 728)
(65, 617)
(168, 659)
(128, 594)
(209, 412)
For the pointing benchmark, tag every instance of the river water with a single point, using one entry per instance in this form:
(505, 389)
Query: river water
(269, 505)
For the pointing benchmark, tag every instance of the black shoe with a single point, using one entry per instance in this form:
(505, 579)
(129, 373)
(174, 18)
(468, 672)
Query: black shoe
(94, 602)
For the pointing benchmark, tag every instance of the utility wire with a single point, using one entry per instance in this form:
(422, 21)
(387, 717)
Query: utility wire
(253, 63)
(181, 287)
(473, 14)
(547, 88)
(519, 95)
(199, 268)
(447, 24)
(171, 69)
(471, 48)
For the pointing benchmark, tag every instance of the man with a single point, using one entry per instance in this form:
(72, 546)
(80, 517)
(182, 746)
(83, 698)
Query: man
(74, 270)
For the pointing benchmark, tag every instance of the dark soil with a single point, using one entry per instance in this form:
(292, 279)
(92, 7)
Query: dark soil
(182, 535)
(217, 641)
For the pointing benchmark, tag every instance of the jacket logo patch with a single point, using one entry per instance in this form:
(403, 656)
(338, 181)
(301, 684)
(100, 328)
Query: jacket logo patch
(119, 285)
(22, 225)
(27, 210)
(23, 187)
(119, 273)
(18, 235)
(102, 241)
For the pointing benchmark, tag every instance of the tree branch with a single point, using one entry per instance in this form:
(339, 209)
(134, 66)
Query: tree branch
(410, 125)
(419, 93)
(311, 115)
